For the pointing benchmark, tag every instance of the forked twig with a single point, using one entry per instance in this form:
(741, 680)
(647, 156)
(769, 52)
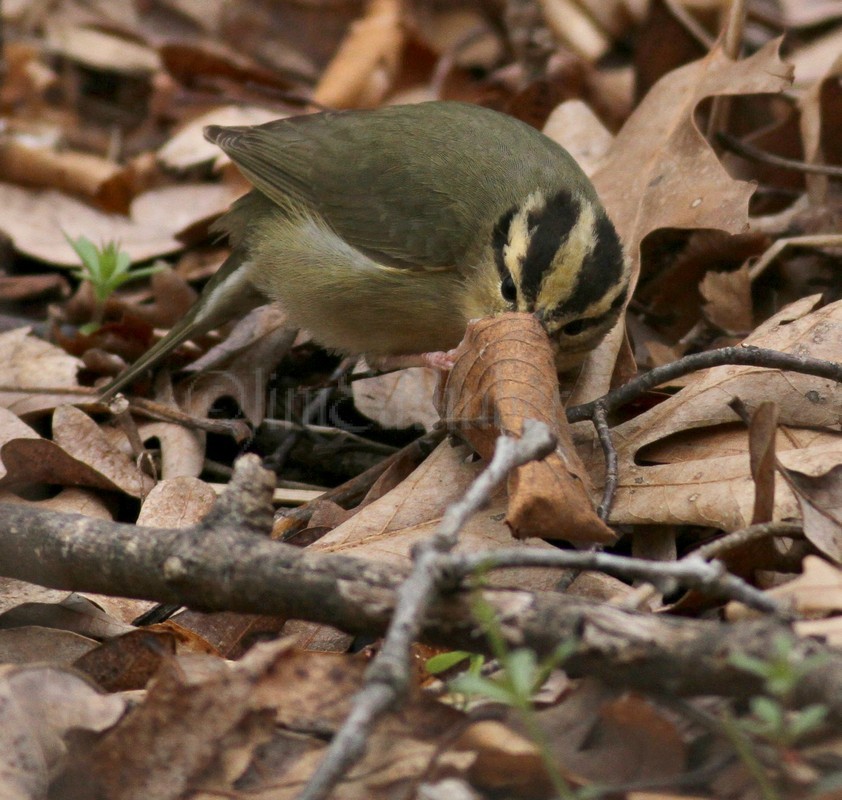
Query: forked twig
(388, 677)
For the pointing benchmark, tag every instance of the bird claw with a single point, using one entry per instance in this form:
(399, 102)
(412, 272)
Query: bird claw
(440, 359)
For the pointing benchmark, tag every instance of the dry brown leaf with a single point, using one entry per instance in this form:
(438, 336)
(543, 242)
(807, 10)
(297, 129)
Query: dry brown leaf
(762, 432)
(598, 586)
(69, 501)
(807, 13)
(322, 685)
(814, 594)
(813, 61)
(714, 490)
(820, 500)
(402, 751)
(816, 121)
(241, 375)
(31, 363)
(127, 662)
(579, 131)
(185, 723)
(81, 438)
(665, 479)
(644, 179)
(12, 427)
(223, 633)
(39, 705)
(32, 644)
(74, 613)
(462, 33)
(102, 51)
(728, 296)
(27, 77)
(399, 399)
(38, 461)
(182, 449)
(505, 761)
(13, 593)
(176, 503)
(503, 375)
(575, 27)
(174, 209)
(254, 326)
(15, 288)
(661, 173)
(613, 738)
(364, 67)
(210, 61)
(387, 530)
(69, 171)
(36, 221)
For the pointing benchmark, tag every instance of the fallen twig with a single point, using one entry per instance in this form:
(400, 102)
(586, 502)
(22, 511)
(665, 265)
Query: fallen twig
(388, 677)
(228, 562)
(692, 572)
(746, 356)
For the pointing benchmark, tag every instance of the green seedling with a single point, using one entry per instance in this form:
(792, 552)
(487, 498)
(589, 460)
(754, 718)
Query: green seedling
(106, 268)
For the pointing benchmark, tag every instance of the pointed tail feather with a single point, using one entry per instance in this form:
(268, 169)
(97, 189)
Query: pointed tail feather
(227, 295)
(183, 331)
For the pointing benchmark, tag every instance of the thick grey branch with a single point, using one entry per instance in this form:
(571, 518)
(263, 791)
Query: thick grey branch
(235, 568)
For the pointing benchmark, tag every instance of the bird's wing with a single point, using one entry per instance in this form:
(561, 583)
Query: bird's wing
(417, 186)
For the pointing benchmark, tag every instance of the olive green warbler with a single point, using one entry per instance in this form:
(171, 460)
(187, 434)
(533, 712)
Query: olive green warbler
(384, 232)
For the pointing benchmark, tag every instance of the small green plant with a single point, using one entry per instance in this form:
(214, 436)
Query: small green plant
(522, 673)
(445, 661)
(106, 268)
(772, 720)
(772, 717)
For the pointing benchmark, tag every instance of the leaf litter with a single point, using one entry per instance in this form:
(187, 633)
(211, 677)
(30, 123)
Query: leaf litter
(105, 103)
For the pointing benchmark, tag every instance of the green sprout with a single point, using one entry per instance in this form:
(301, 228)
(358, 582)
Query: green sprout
(521, 675)
(772, 717)
(442, 662)
(106, 268)
(773, 721)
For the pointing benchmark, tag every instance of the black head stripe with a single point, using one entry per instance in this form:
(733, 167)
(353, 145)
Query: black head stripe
(499, 239)
(550, 226)
(618, 301)
(601, 269)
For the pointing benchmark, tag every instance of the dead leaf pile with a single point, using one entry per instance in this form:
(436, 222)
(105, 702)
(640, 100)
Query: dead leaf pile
(712, 139)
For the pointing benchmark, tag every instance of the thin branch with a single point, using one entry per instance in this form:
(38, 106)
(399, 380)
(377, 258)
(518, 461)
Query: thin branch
(813, 240)
(316, 406)
(713, 550)
(388, 678)
(289, 522)
(612, 467)
(227, 563)
(753, 153)
(235, 428)
(691, 572)
(742, 356)
(752, 533)
(732, 41)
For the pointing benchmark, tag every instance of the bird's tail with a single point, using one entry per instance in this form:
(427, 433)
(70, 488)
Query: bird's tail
(228, 294)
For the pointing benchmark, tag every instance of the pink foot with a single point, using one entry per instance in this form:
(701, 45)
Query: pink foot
(435, 360)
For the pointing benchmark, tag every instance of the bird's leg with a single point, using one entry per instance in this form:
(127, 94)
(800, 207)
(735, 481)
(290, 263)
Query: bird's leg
(438, 359)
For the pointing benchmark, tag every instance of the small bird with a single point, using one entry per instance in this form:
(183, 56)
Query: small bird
(384, 232)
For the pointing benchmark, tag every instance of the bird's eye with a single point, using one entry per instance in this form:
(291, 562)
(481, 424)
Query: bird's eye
(575, 327)
(508, 290)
